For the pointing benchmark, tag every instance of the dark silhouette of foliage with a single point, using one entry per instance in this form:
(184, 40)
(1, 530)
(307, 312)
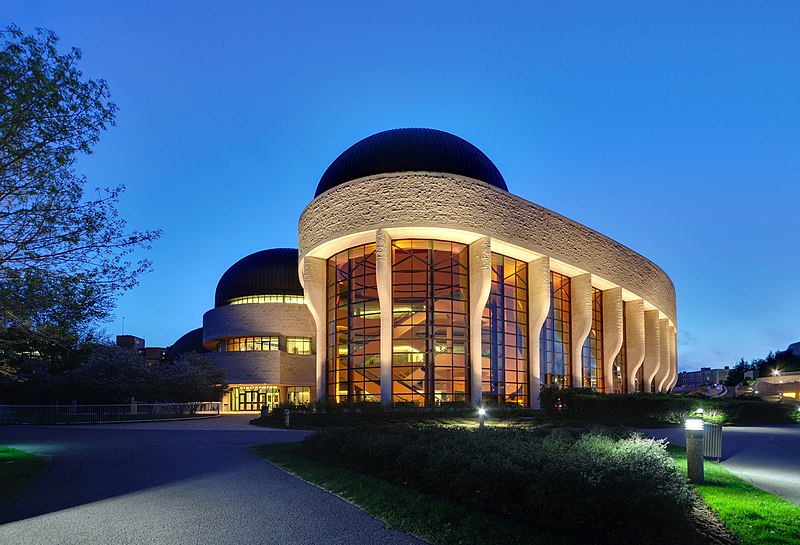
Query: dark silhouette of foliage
(62, 253)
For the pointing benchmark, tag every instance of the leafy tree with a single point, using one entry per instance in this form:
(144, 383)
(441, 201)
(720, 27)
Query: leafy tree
(63, 256)
(112, 375)
(192, 377)
(736, 374)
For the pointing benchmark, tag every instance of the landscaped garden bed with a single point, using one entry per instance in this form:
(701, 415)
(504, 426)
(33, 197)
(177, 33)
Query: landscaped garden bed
(590, 487)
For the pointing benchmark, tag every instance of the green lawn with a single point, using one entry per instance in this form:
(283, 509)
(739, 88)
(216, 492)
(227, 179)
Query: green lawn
(437, 520)
(754, 516)
(18, 469)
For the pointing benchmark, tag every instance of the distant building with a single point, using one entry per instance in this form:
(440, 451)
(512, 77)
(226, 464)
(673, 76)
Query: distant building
(151, 354)
(704, 377)
(131, 342)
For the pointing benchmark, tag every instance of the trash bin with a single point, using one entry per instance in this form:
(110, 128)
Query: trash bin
(712, 441)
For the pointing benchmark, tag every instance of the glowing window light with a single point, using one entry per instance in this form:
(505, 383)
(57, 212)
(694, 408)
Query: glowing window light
(257, 299)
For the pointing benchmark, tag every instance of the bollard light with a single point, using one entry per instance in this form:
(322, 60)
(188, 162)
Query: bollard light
(694, 450)
(694, 424)
(481, 417)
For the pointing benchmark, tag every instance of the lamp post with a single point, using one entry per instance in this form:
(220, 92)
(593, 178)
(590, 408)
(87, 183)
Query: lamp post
(694, 449)
(481, 417)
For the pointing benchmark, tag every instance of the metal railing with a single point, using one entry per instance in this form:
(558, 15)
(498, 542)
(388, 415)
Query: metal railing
(712, 441)
(102, 414)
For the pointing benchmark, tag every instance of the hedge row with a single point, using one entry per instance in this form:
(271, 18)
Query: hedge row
(588, 485)
(580, 403)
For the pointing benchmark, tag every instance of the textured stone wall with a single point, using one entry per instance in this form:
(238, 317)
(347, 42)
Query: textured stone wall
(266, 367)
(257, 319)
(451, 201)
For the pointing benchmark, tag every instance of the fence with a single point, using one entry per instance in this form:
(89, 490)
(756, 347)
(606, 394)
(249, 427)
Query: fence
(99, 414)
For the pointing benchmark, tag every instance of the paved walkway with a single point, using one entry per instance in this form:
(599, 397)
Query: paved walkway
(175, 483)
(768, 456)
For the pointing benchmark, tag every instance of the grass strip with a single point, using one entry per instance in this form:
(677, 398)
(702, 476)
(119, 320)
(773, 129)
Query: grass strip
(18, 469)
(754, 516)
(437, 520)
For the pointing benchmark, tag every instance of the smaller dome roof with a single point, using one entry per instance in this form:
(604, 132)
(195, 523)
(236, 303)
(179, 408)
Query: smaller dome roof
(190, 342)
(409, 150)
(268, 272)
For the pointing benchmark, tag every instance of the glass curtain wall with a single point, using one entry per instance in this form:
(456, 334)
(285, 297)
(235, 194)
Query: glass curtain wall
(592, 351)
(621, 362)
(354, 327)
(430, 306)
(554, 342)
(504, 334)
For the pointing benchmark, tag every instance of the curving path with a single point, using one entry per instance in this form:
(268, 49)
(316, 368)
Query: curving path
(767, 456)
(175, 483)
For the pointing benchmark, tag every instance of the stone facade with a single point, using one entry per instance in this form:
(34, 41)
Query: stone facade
(424, 199)
(449, 207)
(257, 319)
(273, 367)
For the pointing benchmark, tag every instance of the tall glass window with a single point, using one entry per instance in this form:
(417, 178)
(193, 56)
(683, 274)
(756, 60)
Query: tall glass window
(504, 333)
(554, 342)
(354, 327)
(298, 345)
(621, 362)
(592, 351)
(430, 305)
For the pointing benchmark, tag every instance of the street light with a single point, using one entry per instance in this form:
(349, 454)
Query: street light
(775, 372)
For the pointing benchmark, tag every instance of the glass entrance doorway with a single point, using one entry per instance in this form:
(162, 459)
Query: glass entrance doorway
(252, 398)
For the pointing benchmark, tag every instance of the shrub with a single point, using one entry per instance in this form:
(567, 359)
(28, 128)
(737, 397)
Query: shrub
(639, 409)
(584, 484)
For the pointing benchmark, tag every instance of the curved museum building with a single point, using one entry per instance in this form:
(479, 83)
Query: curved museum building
(425, 281)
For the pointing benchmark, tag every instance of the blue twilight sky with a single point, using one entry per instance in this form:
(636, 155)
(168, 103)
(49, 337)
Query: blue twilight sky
(672, 127)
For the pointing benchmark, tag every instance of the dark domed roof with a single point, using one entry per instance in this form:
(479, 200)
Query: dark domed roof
(268, 272)
(404, 150)
(190, 342)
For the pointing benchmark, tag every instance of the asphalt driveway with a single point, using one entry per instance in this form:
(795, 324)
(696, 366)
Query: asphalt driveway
(767, 456)
(174, 483)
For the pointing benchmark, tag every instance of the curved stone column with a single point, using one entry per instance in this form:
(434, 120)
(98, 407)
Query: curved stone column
(673, 363)
(634, 340)
(538, 309)
(612, 334)
(652, 349)
(480, 286)
(581, 310)
(664, 370)
(315, 289)
(383, 279)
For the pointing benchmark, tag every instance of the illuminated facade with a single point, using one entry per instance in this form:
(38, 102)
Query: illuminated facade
(426, 282)
(260, 332)
(430, 283)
